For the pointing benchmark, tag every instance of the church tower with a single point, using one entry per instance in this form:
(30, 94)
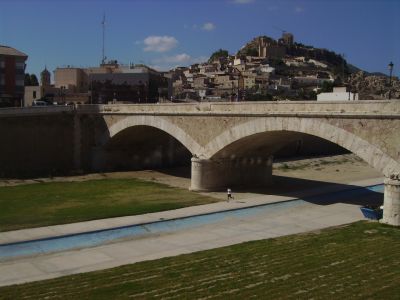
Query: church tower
(45, 77)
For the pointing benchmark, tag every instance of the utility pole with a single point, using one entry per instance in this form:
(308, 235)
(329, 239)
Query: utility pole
(103, 23)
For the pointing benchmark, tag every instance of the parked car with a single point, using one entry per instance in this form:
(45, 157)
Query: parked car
(39, 103)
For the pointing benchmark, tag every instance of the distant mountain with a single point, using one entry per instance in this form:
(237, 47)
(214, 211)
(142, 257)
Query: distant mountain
(379, 74)
(353, 68)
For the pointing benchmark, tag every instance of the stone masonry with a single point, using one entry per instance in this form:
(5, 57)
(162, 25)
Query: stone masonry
(230, 143)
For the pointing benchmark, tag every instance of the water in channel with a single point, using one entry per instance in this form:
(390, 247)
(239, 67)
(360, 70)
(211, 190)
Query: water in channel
(96, 238)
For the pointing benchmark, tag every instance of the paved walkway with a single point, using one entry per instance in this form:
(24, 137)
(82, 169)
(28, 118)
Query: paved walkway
(303, 218)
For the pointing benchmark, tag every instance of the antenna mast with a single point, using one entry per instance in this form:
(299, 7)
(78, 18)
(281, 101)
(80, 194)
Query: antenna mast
(103, 23)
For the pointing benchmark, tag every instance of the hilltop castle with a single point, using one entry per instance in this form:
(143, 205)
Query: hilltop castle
(269, 48)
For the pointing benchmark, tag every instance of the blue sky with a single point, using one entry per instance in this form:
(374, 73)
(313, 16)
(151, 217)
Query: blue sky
(167, 33)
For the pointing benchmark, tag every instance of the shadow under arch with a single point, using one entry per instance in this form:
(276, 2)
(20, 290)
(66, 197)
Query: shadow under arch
(142, 147)
(156, 122)
(371, 154)
(122, 146)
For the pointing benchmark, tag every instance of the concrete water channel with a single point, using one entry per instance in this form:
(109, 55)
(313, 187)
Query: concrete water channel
(95, 238)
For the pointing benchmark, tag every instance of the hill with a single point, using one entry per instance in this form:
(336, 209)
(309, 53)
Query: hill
(336, 63)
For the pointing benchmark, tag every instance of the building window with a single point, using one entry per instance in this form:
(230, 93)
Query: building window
(34, 94)
(19, 82)
(20, 65)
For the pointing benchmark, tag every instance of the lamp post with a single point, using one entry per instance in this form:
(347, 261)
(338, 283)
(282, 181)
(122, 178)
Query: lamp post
(390, 67)
(91, 89)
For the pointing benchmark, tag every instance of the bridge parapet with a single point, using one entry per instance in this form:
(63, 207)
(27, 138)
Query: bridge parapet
(386, 108)
(289, 108)
(35, 110)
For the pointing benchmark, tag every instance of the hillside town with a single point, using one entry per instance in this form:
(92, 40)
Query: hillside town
(264, 69)
(268, 69)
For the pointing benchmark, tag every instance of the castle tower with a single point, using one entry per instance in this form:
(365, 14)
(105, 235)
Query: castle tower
(261, 47)
(45, 77)
(287, 38)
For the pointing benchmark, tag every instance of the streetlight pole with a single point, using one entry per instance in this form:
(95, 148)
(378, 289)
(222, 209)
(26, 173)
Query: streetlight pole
(390, 67)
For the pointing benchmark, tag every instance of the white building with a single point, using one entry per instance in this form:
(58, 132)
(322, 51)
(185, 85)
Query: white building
(266, 69)
(311, 80)
(338, 94)
(238, 61)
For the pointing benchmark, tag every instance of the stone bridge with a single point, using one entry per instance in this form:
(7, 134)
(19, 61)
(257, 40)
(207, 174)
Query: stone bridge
(228, 143)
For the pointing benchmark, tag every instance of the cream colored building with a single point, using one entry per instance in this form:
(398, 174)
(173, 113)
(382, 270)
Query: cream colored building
(73, 79)
(249, 82)
(226, 81)
(33, 93)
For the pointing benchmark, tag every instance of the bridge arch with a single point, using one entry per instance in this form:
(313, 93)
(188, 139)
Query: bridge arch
(156, 122)
(374, 156)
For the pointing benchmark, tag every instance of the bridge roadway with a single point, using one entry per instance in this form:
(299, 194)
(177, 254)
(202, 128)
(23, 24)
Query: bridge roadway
(228, 143)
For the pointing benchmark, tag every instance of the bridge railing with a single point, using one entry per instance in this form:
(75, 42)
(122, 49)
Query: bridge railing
(385, 107)
(34, 110)
(358, 107)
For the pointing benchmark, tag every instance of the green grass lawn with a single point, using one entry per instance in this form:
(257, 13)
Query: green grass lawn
(42, 204)
(359, 261)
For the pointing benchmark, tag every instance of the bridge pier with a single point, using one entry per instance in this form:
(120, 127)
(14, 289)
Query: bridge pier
(391, 203)
(217, 174)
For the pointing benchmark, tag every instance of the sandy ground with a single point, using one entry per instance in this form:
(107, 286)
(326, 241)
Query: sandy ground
(334, 169)
(288, 176)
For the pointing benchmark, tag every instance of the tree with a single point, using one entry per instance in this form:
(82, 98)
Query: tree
(218, 54)
(27, 80)
(327, 87)
(34, 80)
(251, 52)
(31, 80)
(338, 81)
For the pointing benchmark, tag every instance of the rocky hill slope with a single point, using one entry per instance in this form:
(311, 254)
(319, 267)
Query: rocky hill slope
(368, 85)
(297, 49)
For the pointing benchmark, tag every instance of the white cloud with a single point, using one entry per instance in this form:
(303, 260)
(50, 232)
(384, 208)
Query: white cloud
(159, 43)
(179, 58)
(243, 1)
(200, 59)
(169, 62)
(208, 26)
(158, 68)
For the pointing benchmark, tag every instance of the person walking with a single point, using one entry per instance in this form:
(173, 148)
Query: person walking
(229, 195)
